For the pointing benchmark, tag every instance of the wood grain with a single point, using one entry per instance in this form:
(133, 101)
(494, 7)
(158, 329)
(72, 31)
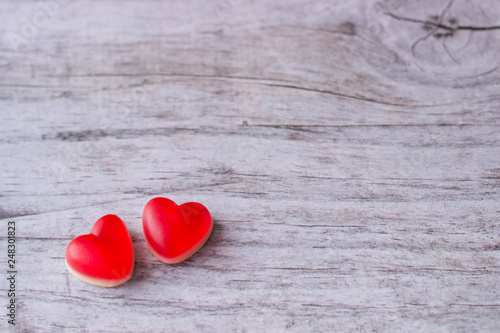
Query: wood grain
(349, 152)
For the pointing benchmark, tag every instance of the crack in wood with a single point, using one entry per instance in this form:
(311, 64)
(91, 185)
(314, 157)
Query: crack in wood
(443, 26)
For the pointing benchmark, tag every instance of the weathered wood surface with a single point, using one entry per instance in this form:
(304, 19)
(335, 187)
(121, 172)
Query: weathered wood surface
(348, 151)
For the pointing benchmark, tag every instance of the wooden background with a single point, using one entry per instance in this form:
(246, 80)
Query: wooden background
(349, 152)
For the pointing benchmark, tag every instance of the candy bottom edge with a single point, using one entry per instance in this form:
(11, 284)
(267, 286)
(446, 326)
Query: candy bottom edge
(184, 256)
(100, 282)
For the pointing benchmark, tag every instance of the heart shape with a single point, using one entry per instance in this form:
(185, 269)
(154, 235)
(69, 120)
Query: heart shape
(105, 257)
(174, 233)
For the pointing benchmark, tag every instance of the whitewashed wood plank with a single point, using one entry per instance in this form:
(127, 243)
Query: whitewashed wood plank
(351, 165)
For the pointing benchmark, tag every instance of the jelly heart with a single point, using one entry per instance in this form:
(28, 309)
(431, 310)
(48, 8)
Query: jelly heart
(105, 257)
(174, 233)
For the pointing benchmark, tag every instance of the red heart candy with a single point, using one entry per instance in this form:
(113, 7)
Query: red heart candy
(105, 257)
(174, 233)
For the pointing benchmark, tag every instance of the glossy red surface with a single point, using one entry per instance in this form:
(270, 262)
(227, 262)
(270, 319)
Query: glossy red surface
(175, 232)
(105, 256)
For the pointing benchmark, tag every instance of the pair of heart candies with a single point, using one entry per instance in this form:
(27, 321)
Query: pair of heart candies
(173, 233)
